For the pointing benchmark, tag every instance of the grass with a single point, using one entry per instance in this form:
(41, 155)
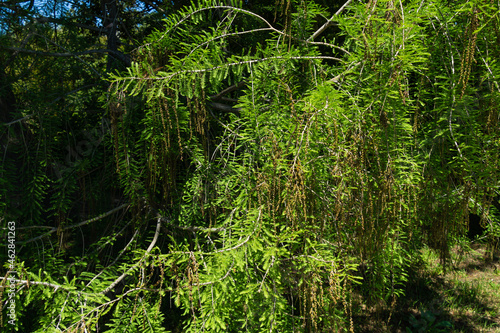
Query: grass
(465, 298)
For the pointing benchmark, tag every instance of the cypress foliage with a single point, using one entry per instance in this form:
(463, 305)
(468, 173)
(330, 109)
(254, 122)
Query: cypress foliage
(272, 175)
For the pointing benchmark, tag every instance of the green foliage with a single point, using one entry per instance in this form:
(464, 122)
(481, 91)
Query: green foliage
(428, 323)
(136, 316)
(285, 176)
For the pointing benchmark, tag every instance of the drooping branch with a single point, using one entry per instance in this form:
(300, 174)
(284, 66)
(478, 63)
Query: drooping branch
(64, 288)
(40, 283)
(268, 28)
(54, 229)
(169, 76)
(122, 251)
(202, 284)
(233, 247)
(148, 250)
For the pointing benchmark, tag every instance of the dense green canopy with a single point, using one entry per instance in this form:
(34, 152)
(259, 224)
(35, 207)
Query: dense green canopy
(238, 167)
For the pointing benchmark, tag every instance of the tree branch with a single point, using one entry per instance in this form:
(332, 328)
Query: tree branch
(54, 229)
(45, 19)
(169, 76)
(40, 283)
(121, 277)
(232, 88)
(224, 107)
(329, 22)
(161, 10)
(59, 54)
(191, 228)
(19, 120)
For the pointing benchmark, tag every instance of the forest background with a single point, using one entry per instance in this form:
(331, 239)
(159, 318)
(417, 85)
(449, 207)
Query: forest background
(227, 166)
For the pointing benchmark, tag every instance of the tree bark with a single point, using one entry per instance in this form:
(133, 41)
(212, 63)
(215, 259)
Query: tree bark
(7, 99)
(110, 23)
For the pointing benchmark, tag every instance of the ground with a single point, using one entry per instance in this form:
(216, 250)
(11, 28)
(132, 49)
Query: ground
(465, 298)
